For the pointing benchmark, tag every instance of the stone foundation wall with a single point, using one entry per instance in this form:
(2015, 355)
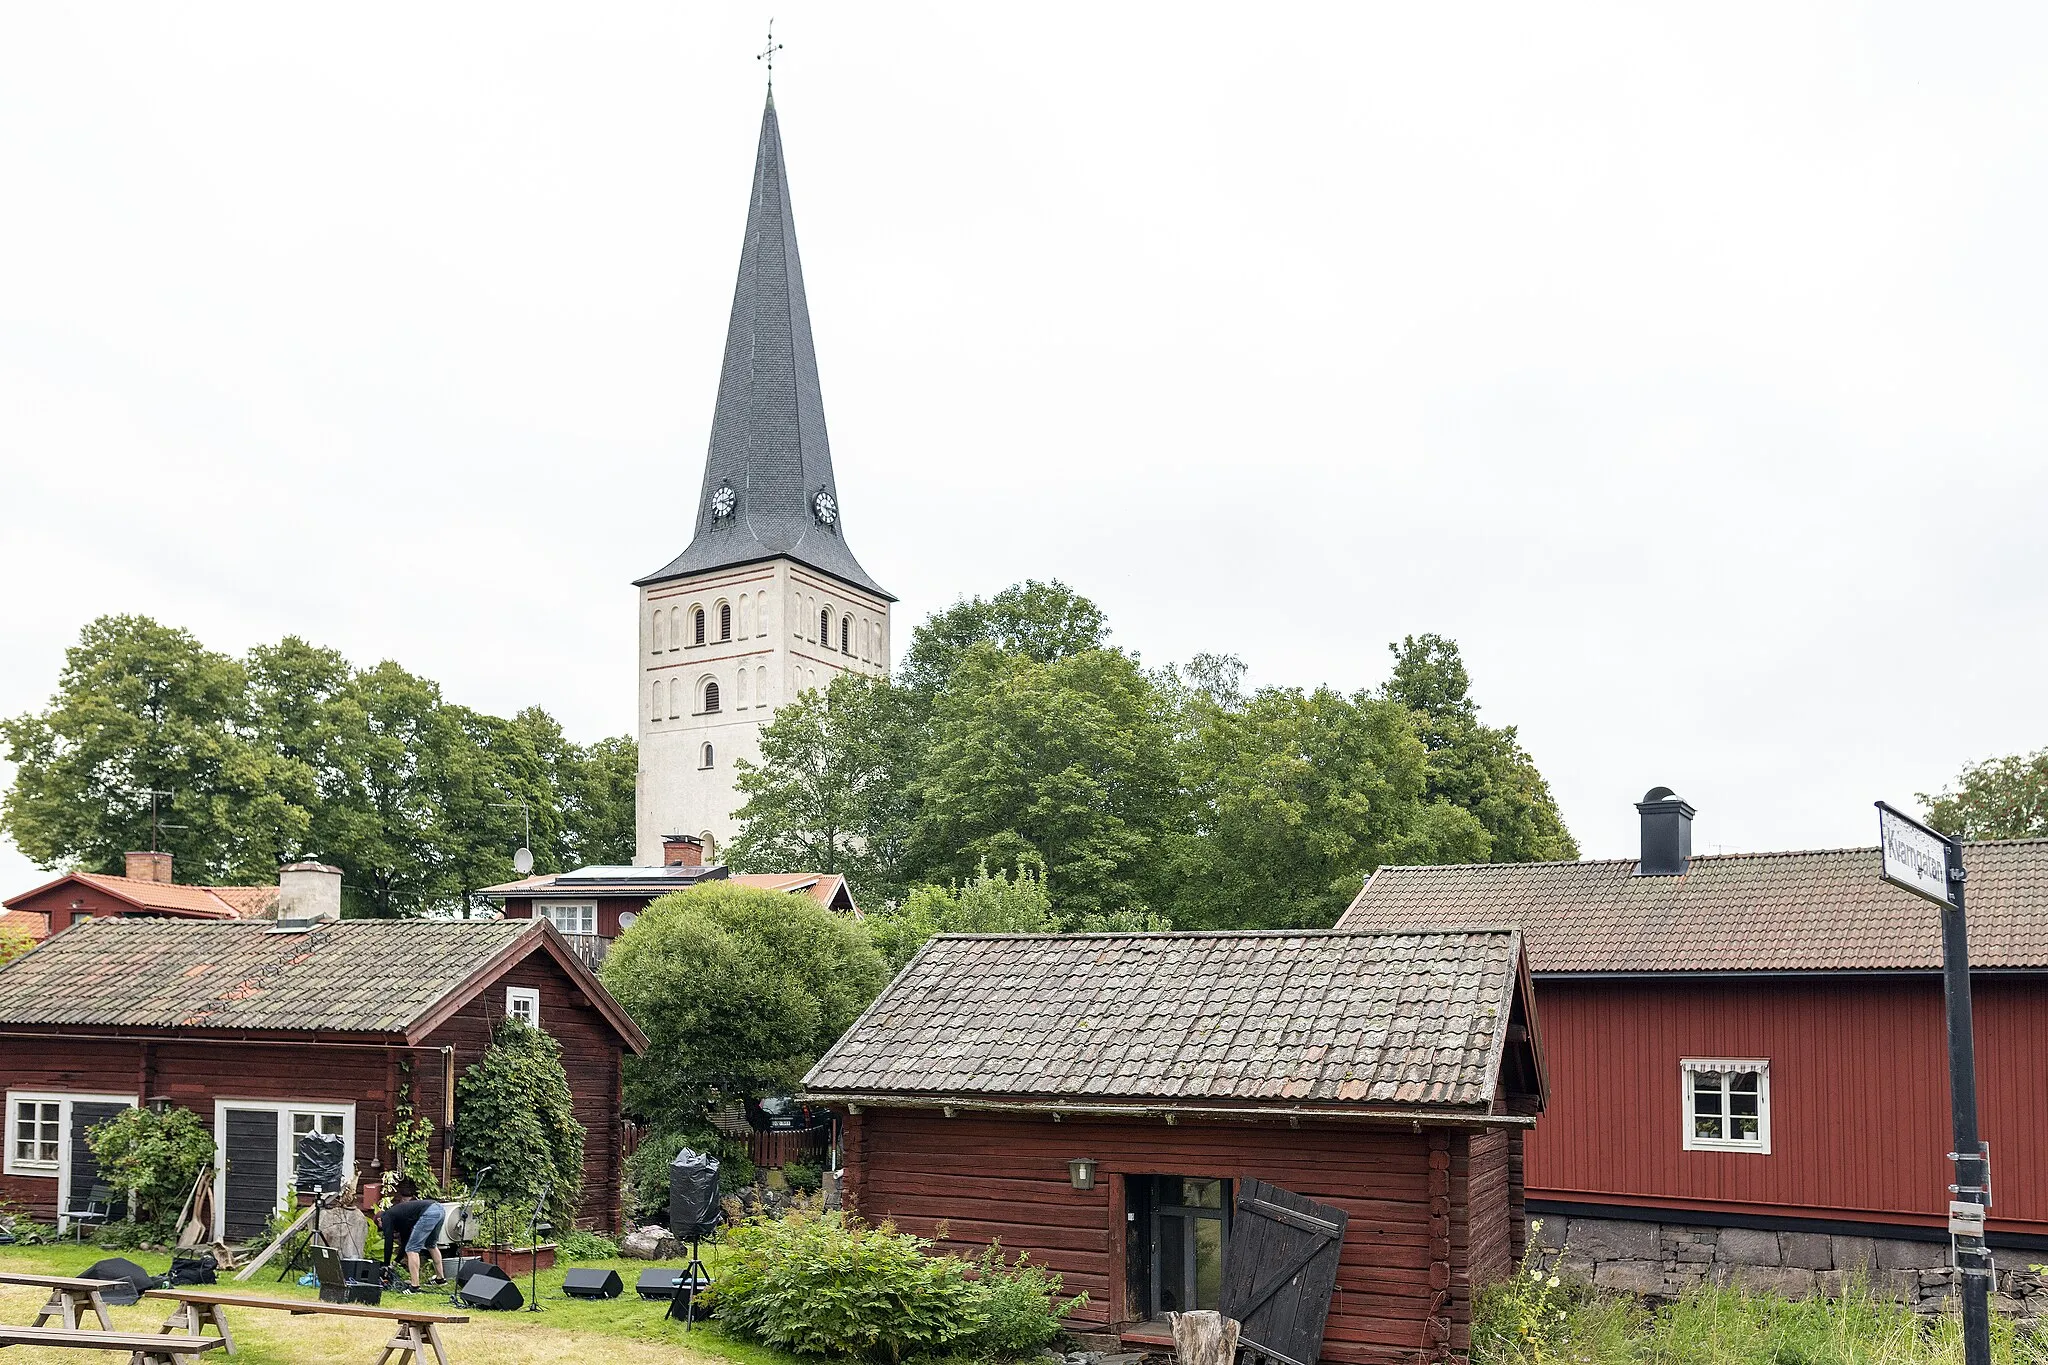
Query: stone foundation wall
(1663, 1260)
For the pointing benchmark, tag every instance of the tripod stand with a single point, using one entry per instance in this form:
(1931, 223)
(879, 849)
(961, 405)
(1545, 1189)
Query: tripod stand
(296, 1254)
(534, 1229)
(695, 1278)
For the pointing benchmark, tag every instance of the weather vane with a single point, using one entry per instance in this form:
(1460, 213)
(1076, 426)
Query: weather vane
(767, 54)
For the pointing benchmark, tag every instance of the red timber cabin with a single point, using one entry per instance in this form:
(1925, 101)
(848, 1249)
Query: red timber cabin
(1136, 1111)
(1756, 1043)
(272, 1030)
(592, 906)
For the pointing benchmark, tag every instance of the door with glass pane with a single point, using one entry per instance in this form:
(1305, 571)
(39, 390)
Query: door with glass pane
(1190, 1230)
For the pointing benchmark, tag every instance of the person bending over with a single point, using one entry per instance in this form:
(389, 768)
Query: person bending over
(414, 1224)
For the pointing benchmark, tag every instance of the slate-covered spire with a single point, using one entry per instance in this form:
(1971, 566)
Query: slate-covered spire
(769, 458)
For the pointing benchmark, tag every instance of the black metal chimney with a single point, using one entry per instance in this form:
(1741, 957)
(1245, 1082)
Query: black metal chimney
(1667, 834)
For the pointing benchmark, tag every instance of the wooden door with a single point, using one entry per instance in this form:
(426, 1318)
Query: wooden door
(81, 1169)
(252, 1193)
(1282, 1271)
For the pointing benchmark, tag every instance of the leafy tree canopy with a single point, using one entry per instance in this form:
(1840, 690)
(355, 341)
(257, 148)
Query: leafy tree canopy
(739, 990)
(292, 752)
(2000, 798)
(1042, 622)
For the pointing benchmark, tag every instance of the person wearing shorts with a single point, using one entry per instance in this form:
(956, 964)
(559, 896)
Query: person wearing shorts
(415, 1225)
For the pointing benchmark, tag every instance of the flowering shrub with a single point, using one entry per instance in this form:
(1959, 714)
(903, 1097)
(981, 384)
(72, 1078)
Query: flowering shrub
(1526, 1320)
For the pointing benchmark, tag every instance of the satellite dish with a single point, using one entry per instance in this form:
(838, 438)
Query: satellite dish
(522, 861)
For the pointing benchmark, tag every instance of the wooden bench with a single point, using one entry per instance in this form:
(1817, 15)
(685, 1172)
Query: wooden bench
(142, 1347)
(70, 1297)
(418, 1328)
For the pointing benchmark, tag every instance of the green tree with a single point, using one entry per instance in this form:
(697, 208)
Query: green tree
(1475, 767)
(143, 707)
(597, 791)
(1066, 764)
(738, 990)
(833, 790)
(13, 943)
(988, 903)
(1042, 622)
(2000, 798)
(1298, 797)
(514, 1114)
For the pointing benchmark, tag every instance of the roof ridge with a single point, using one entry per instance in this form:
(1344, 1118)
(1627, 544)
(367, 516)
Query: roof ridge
(1057, 937)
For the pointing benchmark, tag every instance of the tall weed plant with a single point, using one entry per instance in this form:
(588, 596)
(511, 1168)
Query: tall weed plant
(1539, 1317)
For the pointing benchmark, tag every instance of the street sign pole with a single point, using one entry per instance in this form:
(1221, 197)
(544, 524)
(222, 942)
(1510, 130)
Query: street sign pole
(1926, 862)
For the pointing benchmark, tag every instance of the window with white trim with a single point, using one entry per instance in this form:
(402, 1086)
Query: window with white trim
(35, 1129)
(1727, 1104)
(571, 918)
(523, 1003)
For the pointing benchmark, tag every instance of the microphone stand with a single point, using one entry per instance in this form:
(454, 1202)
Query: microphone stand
(476, 1184)
(533, 1250)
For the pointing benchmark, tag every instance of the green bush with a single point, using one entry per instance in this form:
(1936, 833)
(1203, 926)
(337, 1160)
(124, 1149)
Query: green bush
(1021, 1304)
(803, 1177)
(823, 1284)
(586, 1246)
(151, 1159)
(513, 1114)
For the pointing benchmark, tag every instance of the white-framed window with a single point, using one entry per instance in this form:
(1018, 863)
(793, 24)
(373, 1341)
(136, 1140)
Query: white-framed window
(523, 1003)
(35, 1133)
(1727, 1104)
(571, 917)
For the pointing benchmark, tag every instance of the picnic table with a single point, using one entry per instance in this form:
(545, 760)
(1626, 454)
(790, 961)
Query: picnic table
(143, 1348)
(70, 1297)
(418, 1328)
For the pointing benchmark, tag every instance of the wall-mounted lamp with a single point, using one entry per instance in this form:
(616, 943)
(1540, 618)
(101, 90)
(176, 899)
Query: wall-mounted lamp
(1081, 1170)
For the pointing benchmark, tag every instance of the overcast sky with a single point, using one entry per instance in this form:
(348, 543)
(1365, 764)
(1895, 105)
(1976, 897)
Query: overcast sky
(1684, 363)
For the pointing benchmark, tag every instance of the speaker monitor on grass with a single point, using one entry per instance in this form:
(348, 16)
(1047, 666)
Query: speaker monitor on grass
(592, 1284)
(659, 1283)
(486, 1290)
(461, 1268)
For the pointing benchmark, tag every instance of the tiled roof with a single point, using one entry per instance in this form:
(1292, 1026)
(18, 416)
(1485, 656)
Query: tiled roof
(1375, 1020)
(1813, 911)
(353, 976)
(822, 887)
(31, 922)
(174, 897)
(248, 902)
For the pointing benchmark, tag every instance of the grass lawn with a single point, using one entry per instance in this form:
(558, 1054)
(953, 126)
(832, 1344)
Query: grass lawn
(627, 1329)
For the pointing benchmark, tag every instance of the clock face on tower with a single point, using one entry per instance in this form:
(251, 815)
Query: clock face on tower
(722, 501)
(826, 509)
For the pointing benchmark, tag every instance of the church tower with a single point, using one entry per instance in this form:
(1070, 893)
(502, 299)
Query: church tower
(767, 601)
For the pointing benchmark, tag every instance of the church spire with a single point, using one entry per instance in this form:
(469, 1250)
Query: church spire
(768, 486)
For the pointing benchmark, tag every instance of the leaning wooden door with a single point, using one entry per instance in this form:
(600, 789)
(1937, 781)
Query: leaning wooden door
(1282, 1271)
(250, 1144)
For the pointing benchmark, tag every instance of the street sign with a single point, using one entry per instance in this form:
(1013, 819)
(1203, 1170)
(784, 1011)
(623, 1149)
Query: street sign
(1915, 856)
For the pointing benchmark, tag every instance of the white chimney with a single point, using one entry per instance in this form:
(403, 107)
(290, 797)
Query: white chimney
(308, 891)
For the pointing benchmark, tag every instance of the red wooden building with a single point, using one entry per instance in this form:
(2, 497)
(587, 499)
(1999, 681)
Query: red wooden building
(1387, 1077)
(271, 1030)
(592, 906)
(147, 892)
(1757, 1041)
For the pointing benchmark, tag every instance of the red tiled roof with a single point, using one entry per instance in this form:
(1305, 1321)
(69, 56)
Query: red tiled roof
(171, 897)
(822, 887)
(248, 902)
(1824, 910)
(30, 922)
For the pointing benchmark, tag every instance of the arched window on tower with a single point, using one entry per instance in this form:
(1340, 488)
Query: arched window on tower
(796, 613)
(825, 626)
(675, 627)
(660, 642)
(746, 616)
(761, 686)
(710, 697)
(654, 709)
(675, 698)
(739, 694)
(846, 635)
(697, 627)
(706, 761)
(724, 621)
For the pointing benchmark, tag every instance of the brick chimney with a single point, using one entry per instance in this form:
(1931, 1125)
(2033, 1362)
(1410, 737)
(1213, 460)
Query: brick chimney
(149, 867)
(682, 850)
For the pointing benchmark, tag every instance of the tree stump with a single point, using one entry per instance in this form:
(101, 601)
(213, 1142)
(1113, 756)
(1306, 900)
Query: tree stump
(1204, 1338)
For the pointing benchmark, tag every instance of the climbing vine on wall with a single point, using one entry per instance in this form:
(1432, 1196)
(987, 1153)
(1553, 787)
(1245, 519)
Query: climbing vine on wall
(513, 1116)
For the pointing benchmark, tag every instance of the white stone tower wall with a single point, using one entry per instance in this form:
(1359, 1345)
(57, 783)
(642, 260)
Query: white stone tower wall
(774, 640)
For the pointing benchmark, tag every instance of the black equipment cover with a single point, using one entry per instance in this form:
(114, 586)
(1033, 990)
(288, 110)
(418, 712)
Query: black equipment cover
(193, 1270)
(126, 1271)
(488, 1291)
(592, 1284)
(693, 1194)
(319, 1162)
